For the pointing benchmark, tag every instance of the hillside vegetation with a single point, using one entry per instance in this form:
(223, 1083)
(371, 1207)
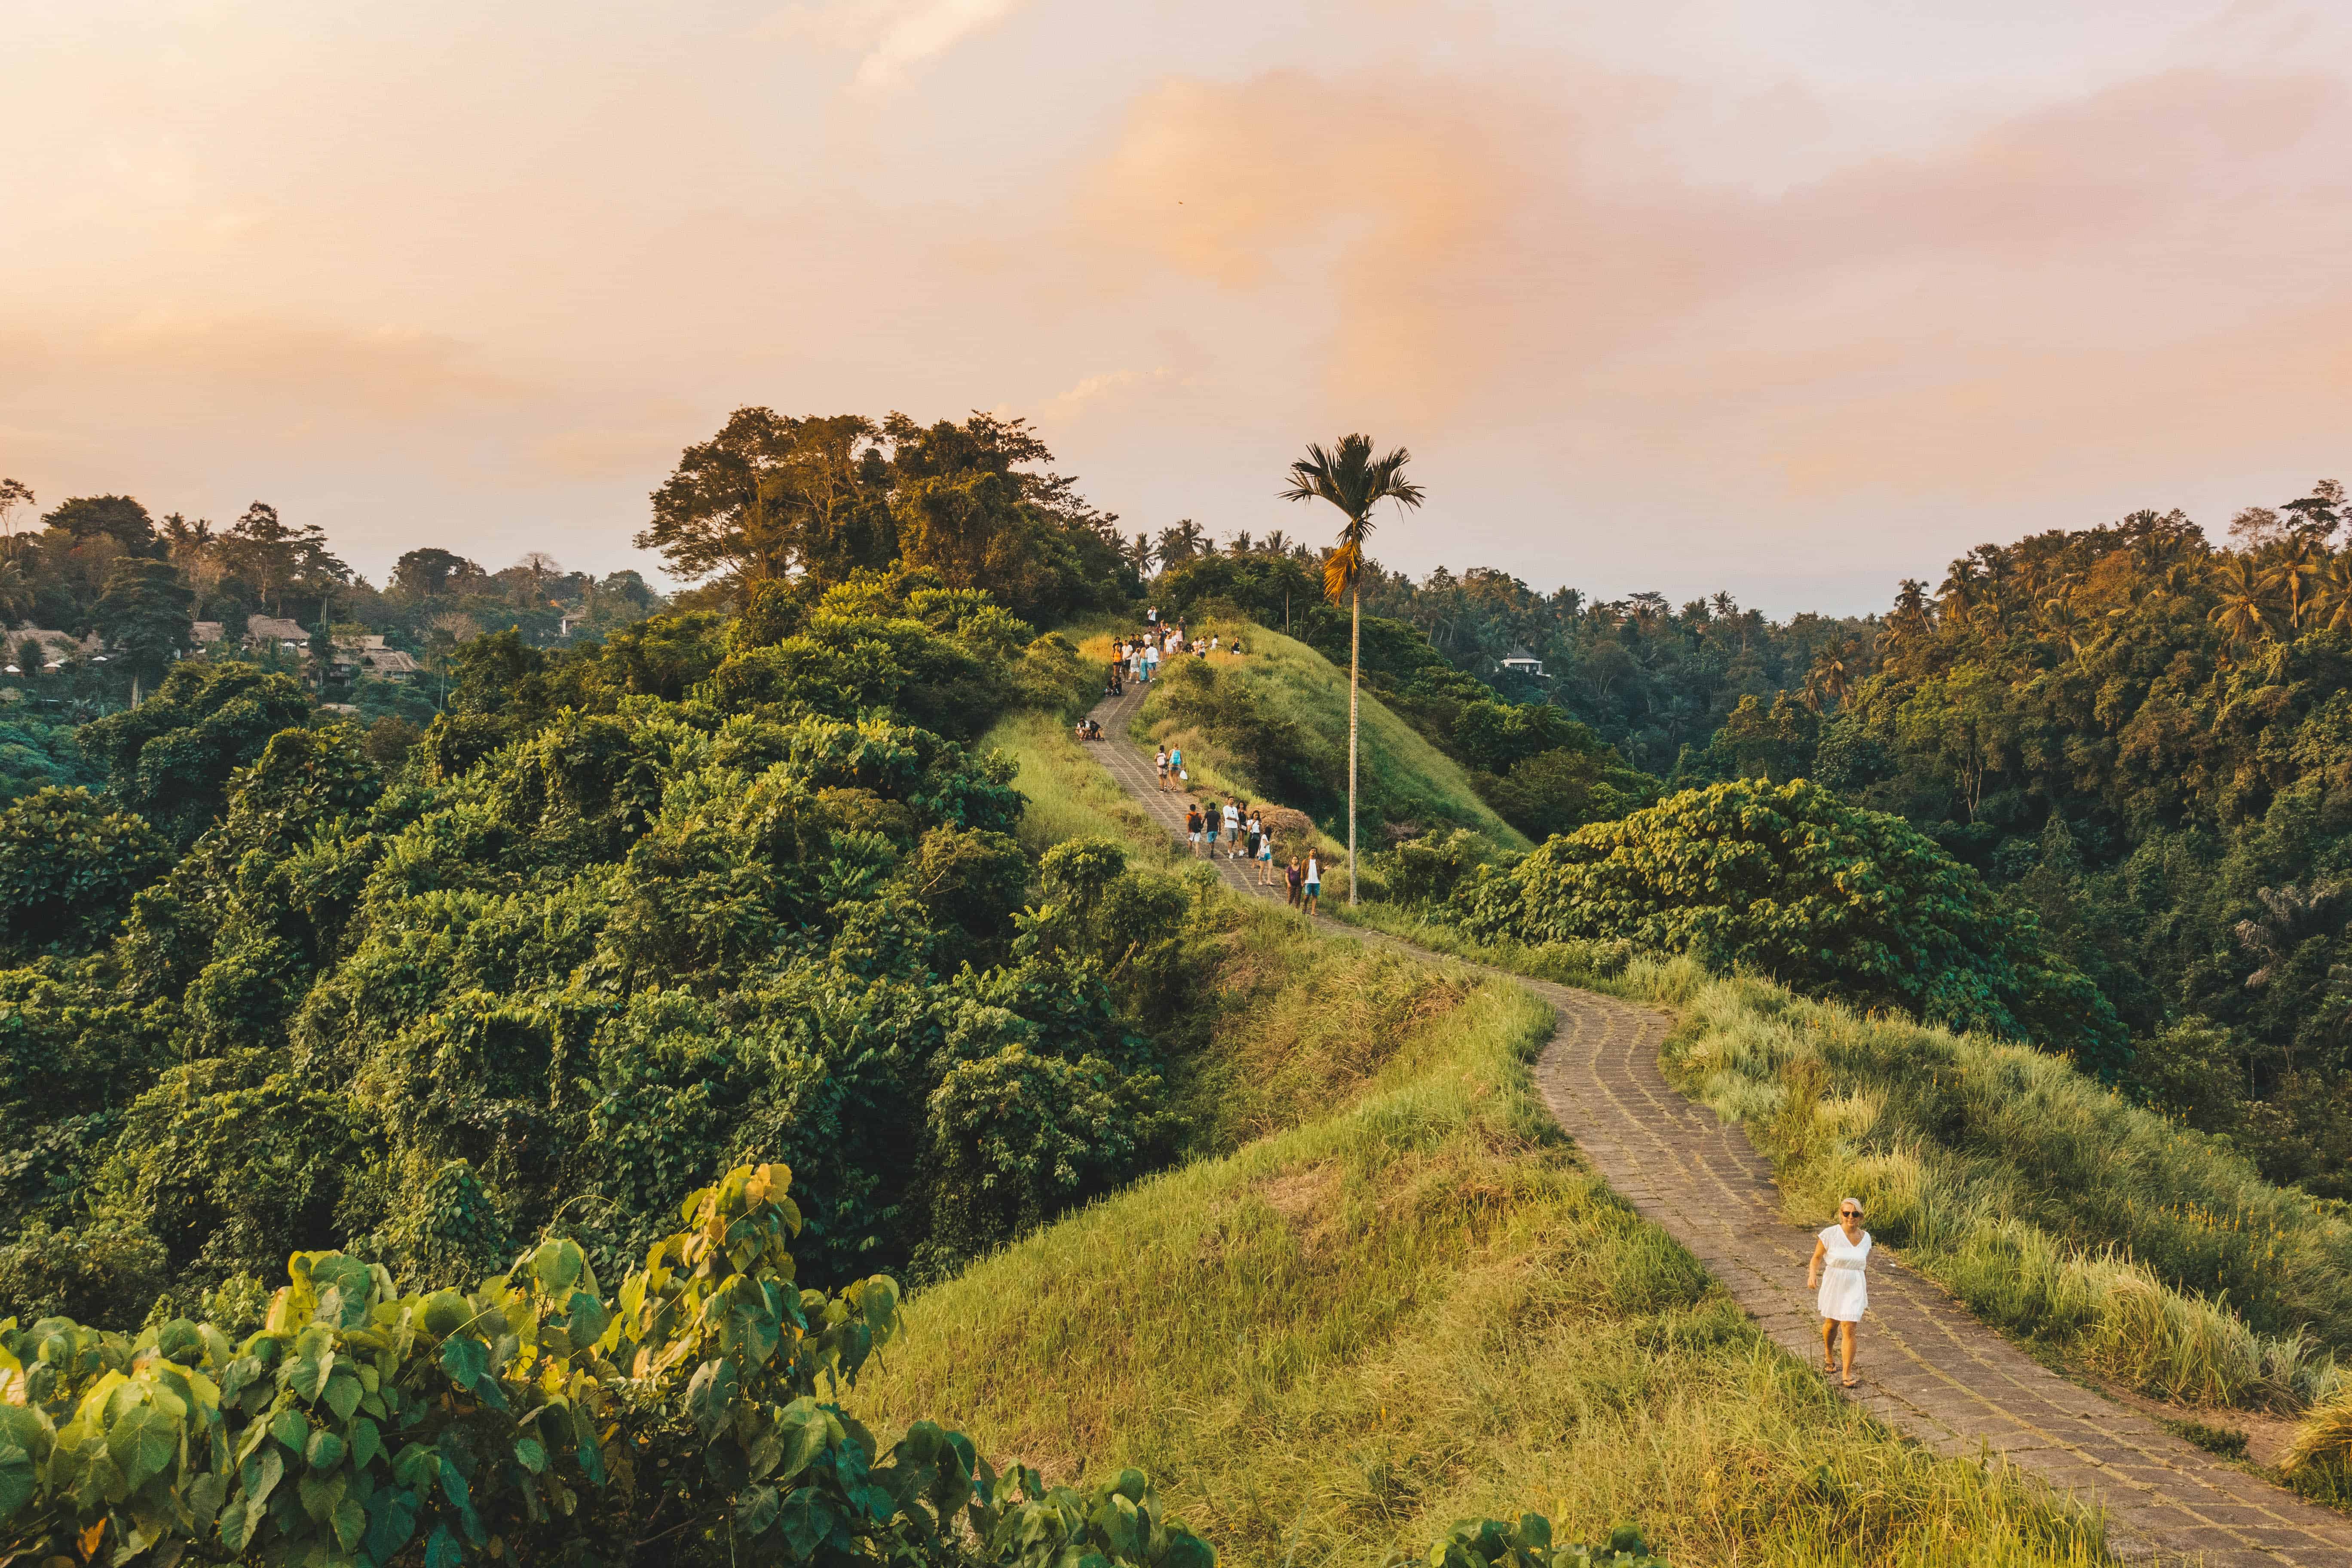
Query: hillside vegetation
(1389, 1296)
(1274, 724)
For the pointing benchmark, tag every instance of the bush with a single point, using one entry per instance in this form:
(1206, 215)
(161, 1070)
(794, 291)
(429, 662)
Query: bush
(68, 865)
(531, 1418)
(1827, 897)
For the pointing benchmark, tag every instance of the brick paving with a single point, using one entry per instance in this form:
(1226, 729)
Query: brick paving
(1927, 1367)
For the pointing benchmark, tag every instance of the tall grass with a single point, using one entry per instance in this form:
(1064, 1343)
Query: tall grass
(2050, 1205)
(1068, 794)
(2058, 1211)
(1407, 1303)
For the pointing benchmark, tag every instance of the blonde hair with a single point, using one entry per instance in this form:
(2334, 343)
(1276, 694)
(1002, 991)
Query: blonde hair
(1859, 1208)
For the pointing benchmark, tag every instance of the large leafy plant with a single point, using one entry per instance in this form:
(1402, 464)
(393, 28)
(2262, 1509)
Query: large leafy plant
(529, 1418)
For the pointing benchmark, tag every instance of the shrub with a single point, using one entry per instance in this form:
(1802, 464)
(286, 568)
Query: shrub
(1827, 897)
(69, 866)
(530, 1418)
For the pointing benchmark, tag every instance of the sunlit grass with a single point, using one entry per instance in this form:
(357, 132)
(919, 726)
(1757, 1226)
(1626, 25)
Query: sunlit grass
(1385, 1294)
(1397, 764)
(1409, 1302)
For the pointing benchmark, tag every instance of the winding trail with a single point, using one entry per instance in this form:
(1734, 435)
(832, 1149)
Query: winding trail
(1930, 1370)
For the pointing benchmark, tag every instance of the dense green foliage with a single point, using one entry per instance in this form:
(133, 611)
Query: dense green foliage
(773, 499)
(626, 915)
(530, 1417)
(2145, 740)
(1829, 899)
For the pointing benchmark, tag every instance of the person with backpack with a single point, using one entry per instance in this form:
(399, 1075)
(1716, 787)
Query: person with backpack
(1159, 761)
(1192, 826)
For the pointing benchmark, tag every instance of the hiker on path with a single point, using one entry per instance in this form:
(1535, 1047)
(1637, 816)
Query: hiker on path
(1192, 826)
(1839, 1254)
(1252, 833)
(1159, 761)
(1295, 880)
(1176, 767)
(1264, 855)
(1233, 825)
(1314, 881)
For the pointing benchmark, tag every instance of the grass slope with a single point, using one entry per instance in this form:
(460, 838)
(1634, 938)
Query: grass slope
(1401, 770)
(1386, 1294)
(2134, 1249)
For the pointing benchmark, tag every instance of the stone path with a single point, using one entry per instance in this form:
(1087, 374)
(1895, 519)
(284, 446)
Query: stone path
(1929, 1370)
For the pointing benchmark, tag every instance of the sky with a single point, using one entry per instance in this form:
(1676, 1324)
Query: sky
(1793, 298)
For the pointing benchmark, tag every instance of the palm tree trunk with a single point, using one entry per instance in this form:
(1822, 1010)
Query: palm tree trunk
(1355, 659)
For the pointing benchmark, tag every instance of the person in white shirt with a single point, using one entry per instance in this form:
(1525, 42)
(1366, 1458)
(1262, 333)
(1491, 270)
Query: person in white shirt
(1840, 1255)
(1233, 827)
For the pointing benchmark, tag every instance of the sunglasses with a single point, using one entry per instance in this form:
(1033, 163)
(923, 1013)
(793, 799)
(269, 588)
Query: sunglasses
(1849, 1213)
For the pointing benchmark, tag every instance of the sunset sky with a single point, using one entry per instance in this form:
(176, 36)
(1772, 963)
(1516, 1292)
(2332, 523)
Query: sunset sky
(1790, 298)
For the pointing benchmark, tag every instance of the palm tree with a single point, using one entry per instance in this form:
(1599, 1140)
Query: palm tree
(1182, 543)
(1276, 544)
(2331, 596)
(1355, 481)
(2299, 559)
(2243, 610)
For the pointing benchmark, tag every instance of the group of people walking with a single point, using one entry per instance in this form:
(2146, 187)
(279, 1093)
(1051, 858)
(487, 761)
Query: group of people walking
(1245, 836)
(1139, 659)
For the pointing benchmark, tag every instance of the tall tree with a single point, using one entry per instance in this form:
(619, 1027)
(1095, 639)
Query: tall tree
(144, 617)
(2242, 609)
(1355, 481)
(428, 574)
(771, 494)
(278, 558)
(14, 493)
(1185, 541)
(119, 517)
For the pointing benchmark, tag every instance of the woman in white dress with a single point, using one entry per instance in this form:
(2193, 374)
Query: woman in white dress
(1839, 1254)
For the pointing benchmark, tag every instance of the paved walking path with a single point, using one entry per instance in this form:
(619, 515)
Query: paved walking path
(1929, 1370)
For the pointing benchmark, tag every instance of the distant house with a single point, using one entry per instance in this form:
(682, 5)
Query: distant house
(1521, 662)
(57, 647)
(365, 657)
(205, 634)
(260, 631)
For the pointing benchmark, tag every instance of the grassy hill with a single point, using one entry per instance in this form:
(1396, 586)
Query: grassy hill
(1274, 725)
(1384, 1293)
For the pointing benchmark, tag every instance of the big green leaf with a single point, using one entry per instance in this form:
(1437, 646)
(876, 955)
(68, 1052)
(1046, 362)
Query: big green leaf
(466, 1361)
(367, 1443)
(710, 1396)
(240, 1521)
(16, 1480)
(556, 1265)
(756, 1509)
(343, 1394)
(326, 1450)
(392, 1520)
(349, 1523)
(143, 1441)
(262, 1472)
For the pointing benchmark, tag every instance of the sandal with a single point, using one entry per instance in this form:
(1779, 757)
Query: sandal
(1851, 1383)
